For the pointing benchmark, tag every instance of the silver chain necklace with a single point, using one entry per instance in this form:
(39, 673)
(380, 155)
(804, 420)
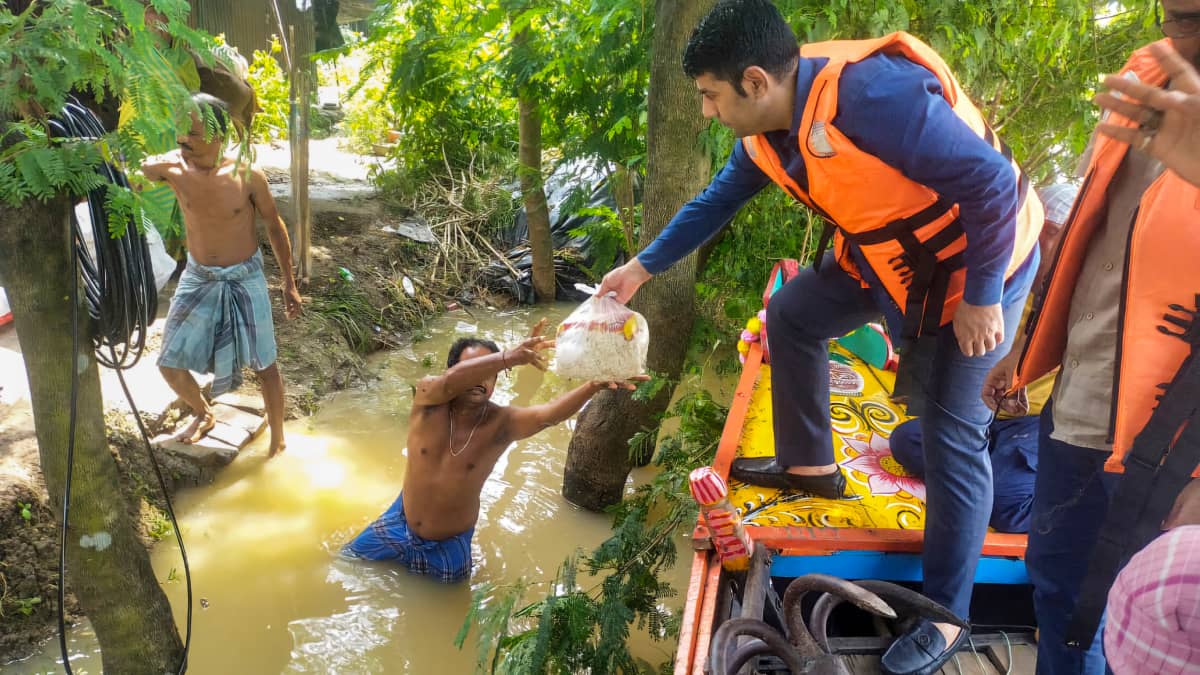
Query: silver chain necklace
(456, 453)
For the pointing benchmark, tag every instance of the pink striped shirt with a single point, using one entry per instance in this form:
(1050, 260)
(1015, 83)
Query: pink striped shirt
(1154, 608)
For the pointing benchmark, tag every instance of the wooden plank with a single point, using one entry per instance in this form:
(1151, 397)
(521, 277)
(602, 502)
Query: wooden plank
(732, 434)
(704, 629)
(968, 662)
(240, 419)
(793, 540)
(691, 613)
(1023, 661)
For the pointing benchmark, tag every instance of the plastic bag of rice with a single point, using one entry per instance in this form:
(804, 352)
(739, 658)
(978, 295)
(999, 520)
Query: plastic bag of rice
(602, 340)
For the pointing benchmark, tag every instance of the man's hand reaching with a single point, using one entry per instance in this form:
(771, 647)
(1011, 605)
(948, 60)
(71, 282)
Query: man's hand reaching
(530, 352)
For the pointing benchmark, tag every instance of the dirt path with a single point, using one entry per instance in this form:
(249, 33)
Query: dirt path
(320, 352)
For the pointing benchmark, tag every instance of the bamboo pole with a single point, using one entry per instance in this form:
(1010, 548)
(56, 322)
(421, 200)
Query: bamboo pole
(298, 134)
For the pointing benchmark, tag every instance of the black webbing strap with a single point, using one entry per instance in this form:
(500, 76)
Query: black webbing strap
(1134, 518)
(1148, 488)
(826, 236)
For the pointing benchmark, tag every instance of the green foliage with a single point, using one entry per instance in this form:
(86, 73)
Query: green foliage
(607, 236)
(159, 526)
(26, 510)
(447, 75)
(271, 87)
(347, 309)
(101, 50)
(26, 606)
(576, 627)
(450, 108)
(1032, 68)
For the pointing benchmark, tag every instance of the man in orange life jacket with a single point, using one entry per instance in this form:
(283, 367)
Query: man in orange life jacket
(1120, 296)
(936, 229)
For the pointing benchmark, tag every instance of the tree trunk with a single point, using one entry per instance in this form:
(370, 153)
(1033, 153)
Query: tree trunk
(108, 567)
(534, 196)
(598, 459)
(622, 190)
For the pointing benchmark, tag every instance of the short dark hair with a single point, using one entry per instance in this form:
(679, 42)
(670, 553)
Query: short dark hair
(218, 108)
(462, 344)
(738, 34)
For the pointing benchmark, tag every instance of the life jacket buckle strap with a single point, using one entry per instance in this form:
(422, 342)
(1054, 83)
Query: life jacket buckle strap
(1188, 323)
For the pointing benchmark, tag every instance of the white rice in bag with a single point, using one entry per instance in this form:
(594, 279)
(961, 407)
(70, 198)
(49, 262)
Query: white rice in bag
(602, 340)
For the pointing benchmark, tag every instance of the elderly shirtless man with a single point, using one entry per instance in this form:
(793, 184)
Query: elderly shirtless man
(455, 436)
(220, 317)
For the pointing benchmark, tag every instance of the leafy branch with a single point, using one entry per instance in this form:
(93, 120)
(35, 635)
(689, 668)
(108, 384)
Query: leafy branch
(577, 628)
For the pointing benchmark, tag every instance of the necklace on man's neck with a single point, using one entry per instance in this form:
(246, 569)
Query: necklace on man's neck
(456, 453)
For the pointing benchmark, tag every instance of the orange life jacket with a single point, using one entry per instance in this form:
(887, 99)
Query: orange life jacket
(909, 235)
(1160, 270)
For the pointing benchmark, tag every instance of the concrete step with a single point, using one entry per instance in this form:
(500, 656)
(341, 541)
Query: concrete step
(251, 423)
(208, 451)
(251, 404)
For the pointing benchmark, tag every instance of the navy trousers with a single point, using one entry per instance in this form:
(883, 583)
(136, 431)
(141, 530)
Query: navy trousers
(1013, 452)
(818, 305)
(1070, 502)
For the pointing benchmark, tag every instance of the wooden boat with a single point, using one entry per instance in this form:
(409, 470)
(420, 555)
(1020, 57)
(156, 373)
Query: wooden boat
(876, 535)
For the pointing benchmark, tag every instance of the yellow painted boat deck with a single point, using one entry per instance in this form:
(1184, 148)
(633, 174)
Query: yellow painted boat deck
(863, 417)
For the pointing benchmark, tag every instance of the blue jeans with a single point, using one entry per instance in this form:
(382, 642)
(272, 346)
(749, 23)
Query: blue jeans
(1070, 501)
(818, 305)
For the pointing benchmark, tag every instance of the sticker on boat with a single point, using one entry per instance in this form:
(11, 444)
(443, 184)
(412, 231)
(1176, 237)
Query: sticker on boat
(845, 380)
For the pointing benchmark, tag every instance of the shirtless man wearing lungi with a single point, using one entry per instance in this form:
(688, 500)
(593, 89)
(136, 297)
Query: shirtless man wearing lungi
(220, 317)
(455, 436)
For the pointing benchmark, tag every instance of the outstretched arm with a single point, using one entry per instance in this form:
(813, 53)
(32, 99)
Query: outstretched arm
(439, 389)
(155, 168)
(525, 422)
(281, 245)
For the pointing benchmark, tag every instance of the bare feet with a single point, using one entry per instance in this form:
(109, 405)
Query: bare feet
(277, 446)
(200, 426)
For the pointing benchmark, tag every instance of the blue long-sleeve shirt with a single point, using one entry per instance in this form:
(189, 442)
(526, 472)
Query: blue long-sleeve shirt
(891, 108)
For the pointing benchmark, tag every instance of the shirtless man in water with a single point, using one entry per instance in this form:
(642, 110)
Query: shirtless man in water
(220, 317)
(456, 435)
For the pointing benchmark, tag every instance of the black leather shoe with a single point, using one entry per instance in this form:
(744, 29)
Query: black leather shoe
(765, 471)
(921, 651)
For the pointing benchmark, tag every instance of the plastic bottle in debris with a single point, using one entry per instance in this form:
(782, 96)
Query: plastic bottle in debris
(729, 538)
(345, 274)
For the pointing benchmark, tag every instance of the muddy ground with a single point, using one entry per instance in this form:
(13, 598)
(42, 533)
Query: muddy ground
(320, 352)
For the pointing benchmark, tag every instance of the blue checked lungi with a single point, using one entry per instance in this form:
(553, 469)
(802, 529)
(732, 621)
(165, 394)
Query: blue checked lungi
(388, 538)
(219, 322)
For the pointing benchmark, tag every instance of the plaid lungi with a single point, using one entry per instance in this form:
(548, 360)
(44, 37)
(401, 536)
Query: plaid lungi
(390, 539)
(219, 322)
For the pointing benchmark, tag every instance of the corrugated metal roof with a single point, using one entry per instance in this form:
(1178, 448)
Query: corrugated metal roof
(249, 24)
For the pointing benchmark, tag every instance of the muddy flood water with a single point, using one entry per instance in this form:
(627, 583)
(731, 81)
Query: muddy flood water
(271, 594)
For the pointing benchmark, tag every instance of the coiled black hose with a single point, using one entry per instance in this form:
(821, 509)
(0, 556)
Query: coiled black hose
(118, 283)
